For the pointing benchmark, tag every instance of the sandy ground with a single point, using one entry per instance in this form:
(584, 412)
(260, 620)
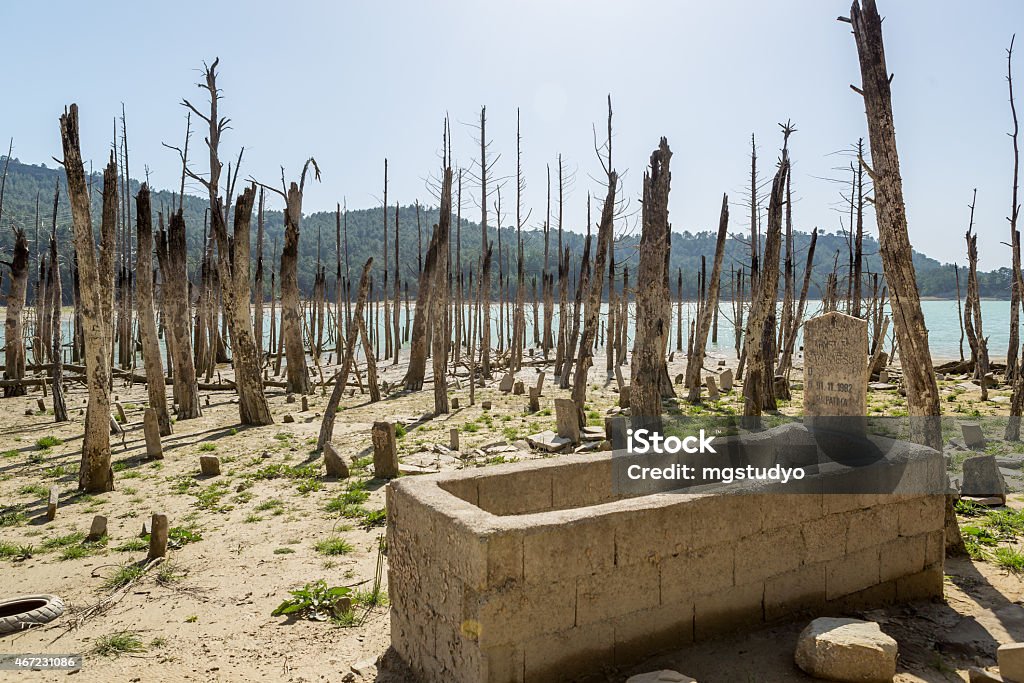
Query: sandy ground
(205, 615)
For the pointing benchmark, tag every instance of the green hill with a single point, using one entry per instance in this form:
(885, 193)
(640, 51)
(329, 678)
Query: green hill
(28, 184)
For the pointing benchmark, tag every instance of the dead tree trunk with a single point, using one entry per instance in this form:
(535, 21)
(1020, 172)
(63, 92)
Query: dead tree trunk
(14, 355)
(291, 309)
(172, 251)
(918, 372)
(439, 298)
(973, 322)
(758, 389)
(786, 361)
(155, 387)
(348, 360)
(695, 361)
(96, 279)
(592, 306)
(60, 410)
(653, 308)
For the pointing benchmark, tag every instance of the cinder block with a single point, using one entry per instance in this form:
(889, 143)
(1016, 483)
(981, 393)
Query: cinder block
(872, 527)
(641, 634)
(414, 642)
(921, 586)
(502, 664)
(465, 488)
(654, 533)
(569, 654)
(504, 557)
(921, 515)
(878, 595)
(582, 484)
(902, 557)
(770, 553)
(502, 616)
(935, 549)
(851, 573)
(726, 517)
(794, 591)
(787, 509)
(458, 658)
(568, 546)
(845, 502)
(825, 538)
(698, 572)
(617, 591)
(517, 493)
(736, 609)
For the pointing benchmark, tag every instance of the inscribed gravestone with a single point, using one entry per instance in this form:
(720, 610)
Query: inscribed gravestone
(835, 366)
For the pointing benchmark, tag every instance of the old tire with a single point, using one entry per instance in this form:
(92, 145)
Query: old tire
(26, 611)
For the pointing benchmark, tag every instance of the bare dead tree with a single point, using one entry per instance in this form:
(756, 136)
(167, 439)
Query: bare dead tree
(695, 361)
(653, 308)
(14, 353)
(896, 252)
(155, 387)
(348, 359)
(758, 388)
(96, 279)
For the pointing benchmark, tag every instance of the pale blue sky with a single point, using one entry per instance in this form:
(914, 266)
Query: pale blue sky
(351, 83)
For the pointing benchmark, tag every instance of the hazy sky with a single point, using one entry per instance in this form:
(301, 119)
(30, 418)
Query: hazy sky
(351, 83)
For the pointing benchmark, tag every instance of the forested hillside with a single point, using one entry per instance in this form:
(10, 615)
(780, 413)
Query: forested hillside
(30, 186)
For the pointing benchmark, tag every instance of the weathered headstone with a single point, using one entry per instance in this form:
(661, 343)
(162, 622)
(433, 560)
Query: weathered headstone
(385, 450)
(206, 400)
(455, 403)
(624, 396)
(42, 404)
(835, 366)
(485, 405)
(98, 528)
(288, 419)
(305, 404)
(672, 357)
(209, 465)
(883, 376)
(334, 463)
(158, 536)
(725, 379)
(540, 384)
(115, 427)
(680, 378)
(615, 431)
(453, 438)
(519, 389)
(973, 436)
(122, 418)
(290, 398)
(151, 429)
(51, 503)
(567, 419)
(712, 387)
(721, 363)
(982, 478)
(507, 380)
(534, 400)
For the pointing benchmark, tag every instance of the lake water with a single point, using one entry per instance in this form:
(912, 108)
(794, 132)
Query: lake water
(940, 316)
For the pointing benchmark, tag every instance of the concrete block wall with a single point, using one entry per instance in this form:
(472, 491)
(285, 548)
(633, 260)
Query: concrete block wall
(531, 572)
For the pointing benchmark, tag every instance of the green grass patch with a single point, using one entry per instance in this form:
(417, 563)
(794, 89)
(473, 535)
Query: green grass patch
(1010, 558)
(119, 643)
(123, 575)
(44, 442)
(333, 545)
